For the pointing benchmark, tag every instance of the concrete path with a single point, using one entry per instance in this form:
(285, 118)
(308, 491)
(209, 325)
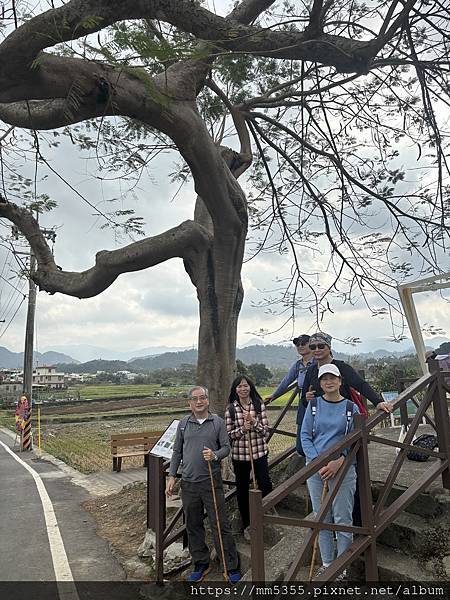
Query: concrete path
(382, 457)
(27, 537)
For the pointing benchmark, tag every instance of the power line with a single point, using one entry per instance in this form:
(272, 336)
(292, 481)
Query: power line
(12, 298)
(12, 318)
(9, 283)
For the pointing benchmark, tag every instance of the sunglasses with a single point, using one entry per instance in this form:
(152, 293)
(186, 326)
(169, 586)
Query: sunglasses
(317, 346)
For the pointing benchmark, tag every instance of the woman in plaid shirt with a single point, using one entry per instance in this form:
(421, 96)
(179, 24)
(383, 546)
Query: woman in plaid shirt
(248, 428)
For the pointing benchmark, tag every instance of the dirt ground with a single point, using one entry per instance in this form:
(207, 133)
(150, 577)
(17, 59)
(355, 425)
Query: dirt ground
(122, 520)
(104, 406)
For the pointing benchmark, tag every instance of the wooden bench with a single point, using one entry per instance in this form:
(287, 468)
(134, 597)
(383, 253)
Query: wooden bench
(137, 443)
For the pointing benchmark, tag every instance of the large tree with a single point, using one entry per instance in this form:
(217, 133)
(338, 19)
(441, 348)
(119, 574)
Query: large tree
(323, 96)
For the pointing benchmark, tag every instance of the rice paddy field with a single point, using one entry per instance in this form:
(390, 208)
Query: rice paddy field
(78, 433)
(123, 390)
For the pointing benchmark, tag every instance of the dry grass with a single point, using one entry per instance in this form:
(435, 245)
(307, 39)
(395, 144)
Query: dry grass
(86, 446)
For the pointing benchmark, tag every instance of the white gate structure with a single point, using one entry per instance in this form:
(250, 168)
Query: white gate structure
(406, 291)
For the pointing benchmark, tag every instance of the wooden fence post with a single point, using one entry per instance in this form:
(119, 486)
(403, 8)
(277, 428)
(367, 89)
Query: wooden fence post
(256, 536)
(404, 417)
(365, 498)
(441, 418)
(156, 509)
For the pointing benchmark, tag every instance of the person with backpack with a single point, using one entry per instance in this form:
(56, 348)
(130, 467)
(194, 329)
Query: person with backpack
(297, 370)
(202, 438)
(320, 346)
(248, 428)
(328, 419)
(351, 381)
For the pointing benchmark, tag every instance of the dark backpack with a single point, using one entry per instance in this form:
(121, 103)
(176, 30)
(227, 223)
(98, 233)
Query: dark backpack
(425, 440)
(216, 426)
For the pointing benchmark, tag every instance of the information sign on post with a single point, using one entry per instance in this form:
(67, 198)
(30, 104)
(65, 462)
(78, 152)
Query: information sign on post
(164, 446)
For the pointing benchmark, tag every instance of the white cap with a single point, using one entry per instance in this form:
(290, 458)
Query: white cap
(330, 368)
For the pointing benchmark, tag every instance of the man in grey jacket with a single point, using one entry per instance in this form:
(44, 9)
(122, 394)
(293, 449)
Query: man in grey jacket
(201, 438)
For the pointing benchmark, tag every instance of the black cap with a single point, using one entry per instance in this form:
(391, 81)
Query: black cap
(301, 340)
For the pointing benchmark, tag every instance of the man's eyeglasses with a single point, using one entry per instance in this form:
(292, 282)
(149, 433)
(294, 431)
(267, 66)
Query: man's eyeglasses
(197, 398)
(317, 346)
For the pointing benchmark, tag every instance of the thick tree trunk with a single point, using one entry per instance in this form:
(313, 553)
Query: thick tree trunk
(216, 275)
(217, 337)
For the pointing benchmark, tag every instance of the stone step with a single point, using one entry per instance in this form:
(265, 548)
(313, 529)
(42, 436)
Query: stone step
(433, 505)
(278, 557)
(418, 537)
(395, 566)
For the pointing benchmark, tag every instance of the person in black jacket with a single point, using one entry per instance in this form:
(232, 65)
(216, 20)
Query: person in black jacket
(320, 345)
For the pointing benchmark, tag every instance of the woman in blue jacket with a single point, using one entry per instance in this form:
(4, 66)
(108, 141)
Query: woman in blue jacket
(327, 420)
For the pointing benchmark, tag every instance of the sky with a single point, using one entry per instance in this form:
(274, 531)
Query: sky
(158, 307)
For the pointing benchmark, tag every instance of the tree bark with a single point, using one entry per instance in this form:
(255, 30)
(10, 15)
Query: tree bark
(216, 275)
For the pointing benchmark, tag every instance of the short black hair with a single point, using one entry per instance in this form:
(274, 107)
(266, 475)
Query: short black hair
(301, 340)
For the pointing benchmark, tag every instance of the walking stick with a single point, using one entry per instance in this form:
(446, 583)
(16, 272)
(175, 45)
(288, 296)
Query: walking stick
(249, 440)
(316, 539)
(219, 530)
(255, 486)
(310, 389)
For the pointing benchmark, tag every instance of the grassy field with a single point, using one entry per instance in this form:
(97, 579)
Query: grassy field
(122, 390)
(86, 446)
(7, 419)
(136, 391)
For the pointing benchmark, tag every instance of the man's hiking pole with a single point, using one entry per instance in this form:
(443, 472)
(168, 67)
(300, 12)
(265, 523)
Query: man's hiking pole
(316, 539)
(219, 530)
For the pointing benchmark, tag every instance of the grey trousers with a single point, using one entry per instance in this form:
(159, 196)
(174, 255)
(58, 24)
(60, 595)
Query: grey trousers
(195, 498)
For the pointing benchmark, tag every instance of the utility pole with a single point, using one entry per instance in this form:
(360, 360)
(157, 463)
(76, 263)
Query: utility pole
(29, 333)
(27, 387)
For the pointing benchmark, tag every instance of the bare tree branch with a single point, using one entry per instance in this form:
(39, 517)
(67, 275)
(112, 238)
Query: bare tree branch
(248, 11)
(245, 154)
(184, 241)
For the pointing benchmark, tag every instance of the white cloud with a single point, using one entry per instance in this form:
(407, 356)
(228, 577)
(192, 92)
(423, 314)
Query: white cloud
(158, 306)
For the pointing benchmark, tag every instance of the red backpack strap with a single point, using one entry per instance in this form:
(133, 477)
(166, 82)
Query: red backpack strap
(356, 397)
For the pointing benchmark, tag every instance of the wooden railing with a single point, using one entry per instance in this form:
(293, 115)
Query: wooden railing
(168, 532)
(374, 518)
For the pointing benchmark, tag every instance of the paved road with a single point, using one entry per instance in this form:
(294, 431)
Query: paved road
(29, 550)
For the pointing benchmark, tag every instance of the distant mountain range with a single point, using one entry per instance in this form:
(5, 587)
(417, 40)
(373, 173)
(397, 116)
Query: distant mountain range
(272, 356)
(86, 352)
(159, 357)
(14, 360)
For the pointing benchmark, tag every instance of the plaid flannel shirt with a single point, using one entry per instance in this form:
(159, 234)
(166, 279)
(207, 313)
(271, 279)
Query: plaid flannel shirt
(239, 438)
